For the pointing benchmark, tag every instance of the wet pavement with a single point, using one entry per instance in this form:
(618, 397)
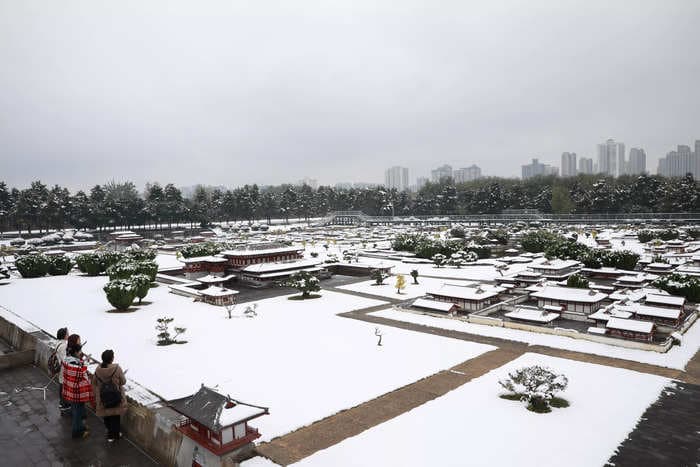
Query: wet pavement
(668, 433)
(32, 433)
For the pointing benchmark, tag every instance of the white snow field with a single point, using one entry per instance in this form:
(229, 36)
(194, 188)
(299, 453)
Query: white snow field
(677, 357)
(473, 426)
(295, 357)
(411, 291)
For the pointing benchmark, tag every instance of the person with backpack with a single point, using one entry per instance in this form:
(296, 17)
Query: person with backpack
(76, 389)
(110, 400)
(55, 367)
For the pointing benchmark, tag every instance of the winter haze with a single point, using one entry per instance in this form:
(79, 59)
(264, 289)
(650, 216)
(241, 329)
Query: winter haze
(227, 93)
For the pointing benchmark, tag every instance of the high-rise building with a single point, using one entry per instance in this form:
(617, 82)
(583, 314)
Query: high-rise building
(679, 162)
(585, 165)
(568, 164)
(396, 177)
(441, 173)
(536, 168)
(312, 182)
(421, 182)
(638, 162)
(611, 158)
(696, 159)
(467, 174)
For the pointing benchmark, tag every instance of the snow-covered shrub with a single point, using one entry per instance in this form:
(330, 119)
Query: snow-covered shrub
(51, 239)
(140, 254)
(680, 284)
(17, 241)
(439, 259)
(34, 242)
(414, 275)
(127, 268)
(89, 263)
(33, 265)
(378, 276)
(4, 272)
(163, 328)
(332, 258)
(304, 282)
(120, 293)
(60, 265)
(535, 385)
(457, 232)
(82, 236)
(201, 249)
(577, 281)
(142, 284)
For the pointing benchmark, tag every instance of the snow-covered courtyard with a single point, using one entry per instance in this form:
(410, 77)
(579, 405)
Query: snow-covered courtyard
(677, 357)
(473, 426)
(296, 357)
(411, 291)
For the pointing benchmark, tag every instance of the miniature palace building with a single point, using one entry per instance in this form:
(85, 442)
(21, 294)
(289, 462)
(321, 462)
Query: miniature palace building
(216, 422)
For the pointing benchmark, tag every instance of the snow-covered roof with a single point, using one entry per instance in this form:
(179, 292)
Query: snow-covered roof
(209, 279)
(433, 304)
(630, 325)
(214, 410)
(272, 275)
(665, 300)
(555, 264)
(533, 314)
(659, 266)
(204, 259)
(569, 294)
(262, 251)
(654, 311)
(606, 270)
(214, 291)
(481, 292)
(635, 279)
(604, 314)
(281, 266)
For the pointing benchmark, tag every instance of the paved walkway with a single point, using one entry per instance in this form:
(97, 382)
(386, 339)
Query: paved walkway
(325, 433)
(33, 434)
(668, 433)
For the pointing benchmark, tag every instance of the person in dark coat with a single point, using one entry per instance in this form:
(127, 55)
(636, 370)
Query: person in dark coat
(107, 372)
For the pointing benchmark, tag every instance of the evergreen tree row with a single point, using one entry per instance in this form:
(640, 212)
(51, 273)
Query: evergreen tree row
(39, 207)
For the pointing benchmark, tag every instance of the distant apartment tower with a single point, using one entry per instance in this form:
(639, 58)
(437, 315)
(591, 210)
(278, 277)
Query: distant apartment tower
(568, 164)
(312, 182)
(585, 165)
(467, 174)
(638, 162)
(396, 177)
(611, 158)
(441, 173)
(679, 162)
(536, 168)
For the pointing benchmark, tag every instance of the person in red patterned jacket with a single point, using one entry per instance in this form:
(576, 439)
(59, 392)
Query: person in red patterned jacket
(77, 389)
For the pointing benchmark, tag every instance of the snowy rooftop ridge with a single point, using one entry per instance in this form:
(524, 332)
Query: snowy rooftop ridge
(569, 294)
(214, 410)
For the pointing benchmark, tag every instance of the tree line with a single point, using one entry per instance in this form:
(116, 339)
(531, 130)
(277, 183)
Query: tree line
(120, 204)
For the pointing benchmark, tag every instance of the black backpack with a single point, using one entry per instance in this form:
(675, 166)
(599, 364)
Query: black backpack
(110, 395)
(54, 364)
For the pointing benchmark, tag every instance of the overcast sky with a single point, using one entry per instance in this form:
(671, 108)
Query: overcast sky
(236, 92)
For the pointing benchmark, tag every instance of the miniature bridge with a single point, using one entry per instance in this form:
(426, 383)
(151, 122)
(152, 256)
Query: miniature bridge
(360, 218)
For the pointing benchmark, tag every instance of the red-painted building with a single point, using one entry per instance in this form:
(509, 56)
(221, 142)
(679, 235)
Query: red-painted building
(239, 259)
(217, 423)
(204, 265)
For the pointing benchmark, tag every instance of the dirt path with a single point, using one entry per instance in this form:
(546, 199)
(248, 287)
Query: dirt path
(324, 433)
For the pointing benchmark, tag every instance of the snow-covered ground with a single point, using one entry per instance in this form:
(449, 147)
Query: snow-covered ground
(411, 291)
(473, 426)
(296, 357)
(168, 261)
(676, 357)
